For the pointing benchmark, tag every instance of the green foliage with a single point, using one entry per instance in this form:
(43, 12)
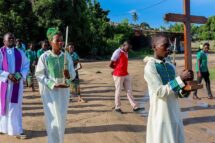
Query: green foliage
(140, 54)
(88, 23)
(177, 27)
(145, 25)
(122, 31)
(16, 16)
(199, 32)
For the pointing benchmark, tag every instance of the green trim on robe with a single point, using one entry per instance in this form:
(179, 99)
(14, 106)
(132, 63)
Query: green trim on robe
(168, 75)
(55, 66)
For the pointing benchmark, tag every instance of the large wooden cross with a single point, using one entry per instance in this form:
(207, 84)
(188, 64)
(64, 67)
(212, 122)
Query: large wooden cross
(187, 19)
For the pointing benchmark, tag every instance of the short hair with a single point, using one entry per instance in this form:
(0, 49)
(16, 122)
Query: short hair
(70, 43)
(9, 33)
(156, 37)
(127, 41)
(44, 42)
(206, 44)
(31, 43)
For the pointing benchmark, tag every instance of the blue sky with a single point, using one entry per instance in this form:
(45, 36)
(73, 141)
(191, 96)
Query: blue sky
(153, 11)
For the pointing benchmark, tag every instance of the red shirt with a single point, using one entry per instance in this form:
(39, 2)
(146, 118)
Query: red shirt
(120, 58)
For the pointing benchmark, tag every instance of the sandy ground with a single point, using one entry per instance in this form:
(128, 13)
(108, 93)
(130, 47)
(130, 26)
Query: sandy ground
(95, 121)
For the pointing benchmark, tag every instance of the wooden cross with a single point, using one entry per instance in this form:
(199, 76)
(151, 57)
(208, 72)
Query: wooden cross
(187, 19)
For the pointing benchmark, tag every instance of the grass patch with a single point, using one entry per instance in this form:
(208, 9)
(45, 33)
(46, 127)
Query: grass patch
(140, 54)
(131, 55)
(212, 73)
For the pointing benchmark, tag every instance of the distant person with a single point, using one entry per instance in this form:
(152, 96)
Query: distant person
(119, 63)
(75, 85)
(20, 45)
(14, 67)
(202, 70)
(164, 124)
(32, 56)
(44, 47)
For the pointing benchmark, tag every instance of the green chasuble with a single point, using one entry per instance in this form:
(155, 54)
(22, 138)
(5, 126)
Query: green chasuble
(55, 65)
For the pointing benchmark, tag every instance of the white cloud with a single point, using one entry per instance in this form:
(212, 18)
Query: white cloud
(132, 11)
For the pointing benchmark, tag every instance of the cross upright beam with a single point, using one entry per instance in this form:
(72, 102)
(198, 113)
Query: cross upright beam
(187, 36)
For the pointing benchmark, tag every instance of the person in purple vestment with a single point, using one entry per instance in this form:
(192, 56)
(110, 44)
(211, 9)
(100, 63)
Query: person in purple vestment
(14, 67)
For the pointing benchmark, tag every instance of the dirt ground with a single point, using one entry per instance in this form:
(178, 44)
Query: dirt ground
(95, 121)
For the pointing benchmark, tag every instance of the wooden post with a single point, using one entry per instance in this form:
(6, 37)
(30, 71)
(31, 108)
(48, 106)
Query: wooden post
(187, 19)
(187, 36)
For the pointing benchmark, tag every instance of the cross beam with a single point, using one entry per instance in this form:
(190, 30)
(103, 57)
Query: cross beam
(187, 19)
(182, 18)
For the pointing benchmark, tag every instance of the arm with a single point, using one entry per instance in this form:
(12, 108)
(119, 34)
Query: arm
(114, 58)
(41, 74)
(77, 62)
(199, 64)
(112, 64)
(155, 83)
(71, 67)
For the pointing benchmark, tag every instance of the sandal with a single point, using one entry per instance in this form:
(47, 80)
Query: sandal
(195, 97)
(82, 101)
(22, 136)
(210, 97)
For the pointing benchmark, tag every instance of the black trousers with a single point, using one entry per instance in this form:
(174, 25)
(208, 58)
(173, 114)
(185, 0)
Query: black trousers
(205, 76)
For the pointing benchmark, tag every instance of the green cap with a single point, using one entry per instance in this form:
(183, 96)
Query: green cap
(51, 32)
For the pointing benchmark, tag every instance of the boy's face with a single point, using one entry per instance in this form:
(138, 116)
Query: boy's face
(206, 48)
(126, 46)
(57, 42)
(71, 48)
(45, 45)
(162, 48)
(31, 47)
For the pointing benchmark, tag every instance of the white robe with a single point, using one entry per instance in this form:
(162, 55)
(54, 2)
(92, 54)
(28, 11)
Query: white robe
(11, 123)
(164, 123)
(55, 100)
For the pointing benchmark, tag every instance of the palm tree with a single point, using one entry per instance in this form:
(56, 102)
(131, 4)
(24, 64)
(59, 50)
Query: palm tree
(135, 16)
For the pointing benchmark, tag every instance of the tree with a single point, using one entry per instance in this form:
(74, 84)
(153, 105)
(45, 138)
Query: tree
(145, 25)
(177, 27)
(135, 17)
(17, 17)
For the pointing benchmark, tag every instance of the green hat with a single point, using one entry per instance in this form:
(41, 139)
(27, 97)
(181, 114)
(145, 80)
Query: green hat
(51, 32)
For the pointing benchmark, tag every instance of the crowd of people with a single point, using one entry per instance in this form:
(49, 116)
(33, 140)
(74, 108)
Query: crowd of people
(56, 70)
(19, 64)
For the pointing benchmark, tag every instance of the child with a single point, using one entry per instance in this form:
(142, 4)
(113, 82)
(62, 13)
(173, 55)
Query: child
(164, 122)
(32, 56)
(75, 85)
(44, 47)
(202, 70)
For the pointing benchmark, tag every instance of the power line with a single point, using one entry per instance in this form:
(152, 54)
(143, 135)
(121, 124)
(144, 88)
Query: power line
(144, 8)
(153, 5)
